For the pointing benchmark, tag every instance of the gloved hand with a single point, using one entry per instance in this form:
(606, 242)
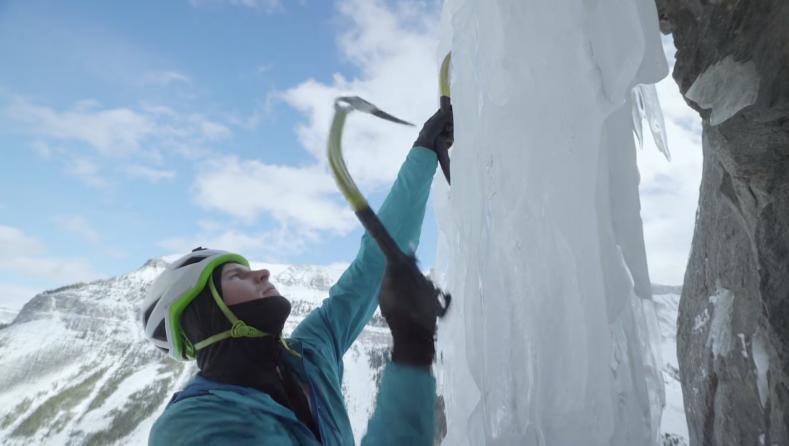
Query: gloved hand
(438, 132)
(410, 306)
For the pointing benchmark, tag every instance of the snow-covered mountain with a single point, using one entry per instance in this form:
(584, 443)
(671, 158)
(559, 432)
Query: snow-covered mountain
(75, 369)
(673, 426)
(7, 315)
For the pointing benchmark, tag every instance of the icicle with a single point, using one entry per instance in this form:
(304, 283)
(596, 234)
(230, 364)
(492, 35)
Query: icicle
(645, 100)
(638, 116)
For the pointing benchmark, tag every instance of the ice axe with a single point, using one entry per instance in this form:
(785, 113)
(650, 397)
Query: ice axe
(442, 149)
(394, 255)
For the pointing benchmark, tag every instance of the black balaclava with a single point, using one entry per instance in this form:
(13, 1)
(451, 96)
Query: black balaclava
(249, 362)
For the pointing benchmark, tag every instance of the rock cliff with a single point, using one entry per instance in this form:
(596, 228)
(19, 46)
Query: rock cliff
(733, 328)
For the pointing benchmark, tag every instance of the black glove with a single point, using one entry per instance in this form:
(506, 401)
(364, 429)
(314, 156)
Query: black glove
(410, 305)
(438, 133)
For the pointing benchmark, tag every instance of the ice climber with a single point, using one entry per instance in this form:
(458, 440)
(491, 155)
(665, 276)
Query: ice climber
(256, 388)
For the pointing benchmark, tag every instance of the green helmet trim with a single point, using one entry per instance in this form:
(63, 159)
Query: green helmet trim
(177, 308)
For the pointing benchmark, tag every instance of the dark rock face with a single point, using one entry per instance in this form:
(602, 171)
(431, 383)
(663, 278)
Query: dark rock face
(733, 328)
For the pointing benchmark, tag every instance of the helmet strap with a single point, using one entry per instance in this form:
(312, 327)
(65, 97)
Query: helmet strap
(239, 329)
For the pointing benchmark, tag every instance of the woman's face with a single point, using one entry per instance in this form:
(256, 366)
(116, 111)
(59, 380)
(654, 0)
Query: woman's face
(240, 284)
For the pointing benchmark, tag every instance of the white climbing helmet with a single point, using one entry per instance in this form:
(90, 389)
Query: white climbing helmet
(174, 289)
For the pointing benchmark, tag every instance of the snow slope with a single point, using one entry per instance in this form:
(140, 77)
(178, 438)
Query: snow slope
(673, 425)
(553, 339)
(75, 369)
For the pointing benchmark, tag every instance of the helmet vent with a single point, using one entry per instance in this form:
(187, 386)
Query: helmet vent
(148, 312)
(160, 333)
(192, 260)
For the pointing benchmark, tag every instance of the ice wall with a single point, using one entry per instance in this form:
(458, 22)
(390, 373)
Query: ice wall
(551, 339)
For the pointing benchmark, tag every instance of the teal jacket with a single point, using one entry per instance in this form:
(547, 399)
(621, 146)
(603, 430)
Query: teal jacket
(208, 413)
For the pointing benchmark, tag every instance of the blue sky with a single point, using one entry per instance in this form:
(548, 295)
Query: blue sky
(132, 130)
(139, 129)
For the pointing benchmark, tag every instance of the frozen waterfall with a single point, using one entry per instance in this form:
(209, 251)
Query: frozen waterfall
(551, 339)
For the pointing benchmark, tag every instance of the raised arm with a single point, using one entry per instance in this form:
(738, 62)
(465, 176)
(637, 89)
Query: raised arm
(353, 299)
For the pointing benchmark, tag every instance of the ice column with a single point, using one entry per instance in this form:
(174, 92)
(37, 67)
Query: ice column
(550, 340)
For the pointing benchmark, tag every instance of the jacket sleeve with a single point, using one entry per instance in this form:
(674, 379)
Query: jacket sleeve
(403, 417)
(334, 326)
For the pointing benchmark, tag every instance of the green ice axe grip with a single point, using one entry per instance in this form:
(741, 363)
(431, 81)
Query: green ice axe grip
(341, 174)
(444, 76)
(360, 206)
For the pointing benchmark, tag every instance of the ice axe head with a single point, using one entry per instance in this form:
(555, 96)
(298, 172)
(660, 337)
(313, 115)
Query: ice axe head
(348, 103)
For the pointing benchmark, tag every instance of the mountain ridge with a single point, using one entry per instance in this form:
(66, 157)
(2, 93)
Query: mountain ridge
(76, 368)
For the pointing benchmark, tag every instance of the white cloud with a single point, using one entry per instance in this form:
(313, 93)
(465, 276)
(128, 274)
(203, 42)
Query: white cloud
(77, 225)
(118, 131)
(27, 256)
(275, 246)
(400, 75)
(44, 150)
(14, 242)
(305, 197)
(264, 109)
(165, 78)
(669, 190)
(57, 270)
(208, 129)
(86, 171)
(150, 174)
(144, 132)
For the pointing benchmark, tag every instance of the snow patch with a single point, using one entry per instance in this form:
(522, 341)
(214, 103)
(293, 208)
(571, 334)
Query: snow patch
(743, 348)
(720, 328)
(700, 321)
(673, 423)
(361, 369)
(762, 362)
(149, 271)
(726, 87)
